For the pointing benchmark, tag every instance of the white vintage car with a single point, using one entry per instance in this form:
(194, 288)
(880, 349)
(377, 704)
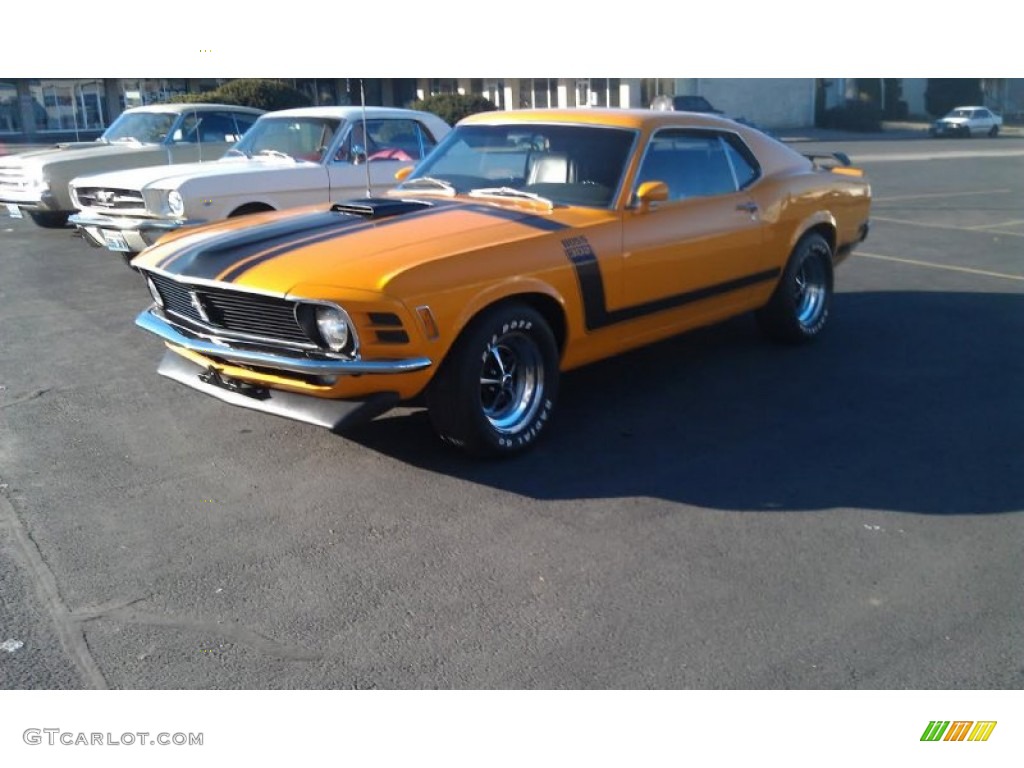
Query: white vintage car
(289, 158)
(36, 182)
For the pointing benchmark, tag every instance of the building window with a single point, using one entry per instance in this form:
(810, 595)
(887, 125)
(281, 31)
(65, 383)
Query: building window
(136, 93)
(597, 92)
(10, 113)
(539, 93)
(68, 105)
(443, 85)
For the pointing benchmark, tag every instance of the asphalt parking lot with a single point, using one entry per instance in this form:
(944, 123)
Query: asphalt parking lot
(710, 512)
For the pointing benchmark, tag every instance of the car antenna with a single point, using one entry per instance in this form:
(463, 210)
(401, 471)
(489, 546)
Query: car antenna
(366, 138)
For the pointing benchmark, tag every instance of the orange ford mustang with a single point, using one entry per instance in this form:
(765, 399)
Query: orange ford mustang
(526, 244)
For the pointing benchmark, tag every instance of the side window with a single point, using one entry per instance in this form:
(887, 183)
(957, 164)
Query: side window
(744, 166)
(217, 126)
(243, 122)
(393, 140)
(691, 163)
(384, 139)
(185, 133)
(428, 141)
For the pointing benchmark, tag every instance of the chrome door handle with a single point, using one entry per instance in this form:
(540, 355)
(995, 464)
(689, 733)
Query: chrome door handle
(750, 207)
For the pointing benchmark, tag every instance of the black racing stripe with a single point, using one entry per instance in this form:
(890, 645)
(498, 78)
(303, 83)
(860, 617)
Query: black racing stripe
(519, 217)
(358, 226)
(208, 258)
(595, 312)
(234, 237)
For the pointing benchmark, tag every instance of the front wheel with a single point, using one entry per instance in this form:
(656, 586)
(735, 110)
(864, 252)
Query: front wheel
(49, 219)
(496, 389)
(799, 307)
(994, 131)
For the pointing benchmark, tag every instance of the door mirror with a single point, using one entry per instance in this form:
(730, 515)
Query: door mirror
(358, 154)
(651, 192)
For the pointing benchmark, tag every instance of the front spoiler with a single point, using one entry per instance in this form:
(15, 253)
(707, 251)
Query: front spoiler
(335, 415)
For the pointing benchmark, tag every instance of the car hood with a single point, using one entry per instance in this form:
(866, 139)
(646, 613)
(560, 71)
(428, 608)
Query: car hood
(953, 120)
(276, 253)
(173, 176)
(85, 150)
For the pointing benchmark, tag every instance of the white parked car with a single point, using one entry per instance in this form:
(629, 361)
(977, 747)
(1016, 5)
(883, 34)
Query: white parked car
(289, 158)
(36, 182)
(967, 122)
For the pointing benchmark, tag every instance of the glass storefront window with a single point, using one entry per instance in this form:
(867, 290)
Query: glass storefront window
(540, 93)
(68, 105)
(10, 113)
(139, 92)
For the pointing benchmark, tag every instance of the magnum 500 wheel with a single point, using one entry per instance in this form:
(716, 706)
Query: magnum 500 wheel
(799, 307)
(495, 391)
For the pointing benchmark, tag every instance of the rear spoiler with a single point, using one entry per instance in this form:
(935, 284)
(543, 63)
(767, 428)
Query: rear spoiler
(845, 166)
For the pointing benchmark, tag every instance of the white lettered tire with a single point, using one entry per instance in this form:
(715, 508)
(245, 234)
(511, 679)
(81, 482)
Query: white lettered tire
(799, 308)
(495, 391)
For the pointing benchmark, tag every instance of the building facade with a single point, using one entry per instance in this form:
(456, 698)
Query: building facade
(42, 111)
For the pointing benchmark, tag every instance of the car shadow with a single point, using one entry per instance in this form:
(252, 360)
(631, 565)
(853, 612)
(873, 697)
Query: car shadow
(911, 402)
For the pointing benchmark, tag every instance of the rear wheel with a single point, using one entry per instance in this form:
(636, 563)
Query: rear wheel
(799, 307)
(49, 219)
(496, 389)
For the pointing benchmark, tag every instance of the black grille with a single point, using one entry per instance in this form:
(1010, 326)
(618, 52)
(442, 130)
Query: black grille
(99, 197)
(248, 313)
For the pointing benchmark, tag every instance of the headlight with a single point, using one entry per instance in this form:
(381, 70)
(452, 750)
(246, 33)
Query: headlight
(175, 204)
(332, 324)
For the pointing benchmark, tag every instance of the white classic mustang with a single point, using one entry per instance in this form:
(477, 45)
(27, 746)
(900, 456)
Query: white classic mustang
(289, 158)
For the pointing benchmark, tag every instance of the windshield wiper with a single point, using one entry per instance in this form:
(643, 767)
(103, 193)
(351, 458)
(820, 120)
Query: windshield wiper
(510, 192)
(238, 151)
(445, 187)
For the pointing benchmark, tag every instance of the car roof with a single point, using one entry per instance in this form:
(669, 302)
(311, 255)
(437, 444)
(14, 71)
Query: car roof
(345, 112)
(197, 107)
(619, 118)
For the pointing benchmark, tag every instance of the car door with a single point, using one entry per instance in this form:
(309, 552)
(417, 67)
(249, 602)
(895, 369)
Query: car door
(366, 161)
(702, 247)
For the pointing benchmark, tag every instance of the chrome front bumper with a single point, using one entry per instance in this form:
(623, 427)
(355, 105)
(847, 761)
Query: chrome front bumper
(137, 234)
(37, 203)
(308, 366)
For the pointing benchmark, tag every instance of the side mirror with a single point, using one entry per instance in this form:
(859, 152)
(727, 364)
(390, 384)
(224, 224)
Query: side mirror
(651, 192)
(358, 154)
(403, 173)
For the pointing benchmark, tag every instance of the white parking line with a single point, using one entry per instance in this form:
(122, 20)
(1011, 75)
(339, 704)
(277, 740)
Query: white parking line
(941, 194)
(948, 226)
(1010, 223)
(911, 156)
(914, 262)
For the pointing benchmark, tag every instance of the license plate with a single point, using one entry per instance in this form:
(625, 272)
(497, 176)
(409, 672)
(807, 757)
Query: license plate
(115, 241)
(13, 211)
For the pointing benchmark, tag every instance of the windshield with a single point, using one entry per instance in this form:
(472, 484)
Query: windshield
(301, 138)
(960, 113)
(567, 164)
(144, 127)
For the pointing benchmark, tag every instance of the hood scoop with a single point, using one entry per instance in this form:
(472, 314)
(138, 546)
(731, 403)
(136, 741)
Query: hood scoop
(379, 208)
